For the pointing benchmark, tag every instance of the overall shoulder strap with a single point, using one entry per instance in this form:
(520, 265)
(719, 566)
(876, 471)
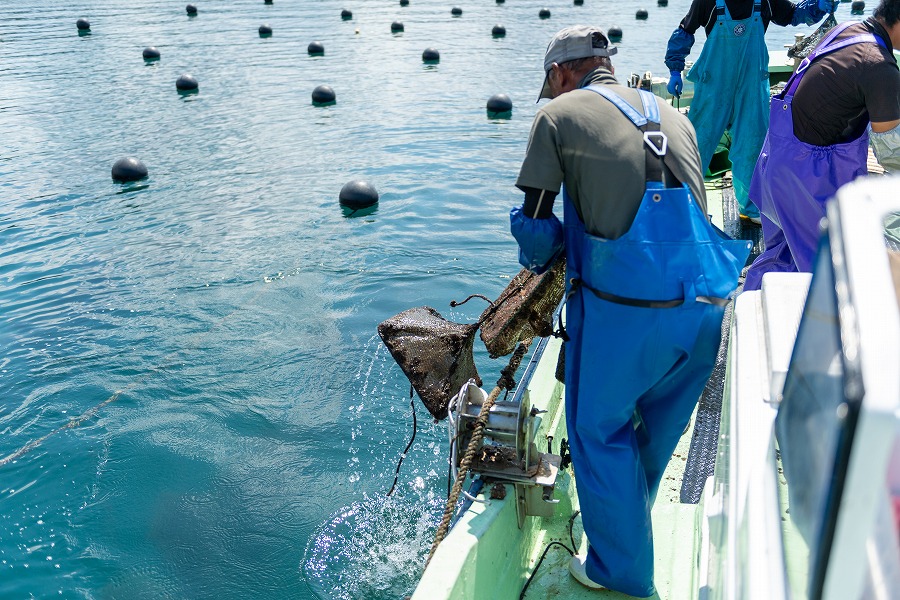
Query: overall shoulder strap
(656, 143)
(722, 10)
(825, 47)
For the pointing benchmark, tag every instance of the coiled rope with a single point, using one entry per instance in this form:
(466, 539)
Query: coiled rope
(505, 382)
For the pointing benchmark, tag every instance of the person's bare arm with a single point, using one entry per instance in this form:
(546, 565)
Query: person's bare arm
(884, 126)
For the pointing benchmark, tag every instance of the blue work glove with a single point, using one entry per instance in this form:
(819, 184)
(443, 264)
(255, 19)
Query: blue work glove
(540, 240)
(828, 6)
(810, 12)
(675, 83)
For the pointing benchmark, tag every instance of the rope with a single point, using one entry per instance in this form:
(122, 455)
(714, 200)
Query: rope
(495, 304)
(412, 405)
(504, 382)
(454, 303)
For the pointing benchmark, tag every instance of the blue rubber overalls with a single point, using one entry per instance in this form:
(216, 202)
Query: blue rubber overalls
(731, 91)
(793, 180)
(643, 319)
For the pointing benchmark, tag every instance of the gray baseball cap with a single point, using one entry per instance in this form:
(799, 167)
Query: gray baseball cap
(572, 43)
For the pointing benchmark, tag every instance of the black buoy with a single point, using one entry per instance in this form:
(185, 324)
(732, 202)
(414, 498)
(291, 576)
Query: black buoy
(615, 33)
(396, 26)
(579, 2)
(151, 53)
(265, 31)
(430, 55)
(500, 1)
(662, 2)
(857, 7)
(544, 13)
(404, 2)
(83, 25)
(641, 14)
(191, 9)
(499, 105)
(498, 31)
(315, 49)
(346, 14)
(128, 169)
(323, 95)
(267, 1)
(187, 83)
(358, 194)
(456, 11)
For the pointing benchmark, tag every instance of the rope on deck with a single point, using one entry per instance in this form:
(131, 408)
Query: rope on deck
(504, 382)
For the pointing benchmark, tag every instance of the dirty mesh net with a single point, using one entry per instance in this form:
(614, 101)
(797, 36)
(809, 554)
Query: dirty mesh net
(523, 310)
(436, 354)
(804, 47)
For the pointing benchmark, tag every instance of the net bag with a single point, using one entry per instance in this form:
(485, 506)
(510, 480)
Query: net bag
(804, 47)
(434, 353)
(524, 309)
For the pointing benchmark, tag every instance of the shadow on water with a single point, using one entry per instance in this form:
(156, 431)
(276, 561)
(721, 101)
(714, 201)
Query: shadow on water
(324, 117)
(352, 213)
(374, 548)
(129, 188)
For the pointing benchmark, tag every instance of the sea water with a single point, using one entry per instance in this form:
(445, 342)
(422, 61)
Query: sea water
(194, 402)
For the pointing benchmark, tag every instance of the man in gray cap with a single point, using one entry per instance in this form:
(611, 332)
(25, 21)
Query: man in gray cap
(647, 278)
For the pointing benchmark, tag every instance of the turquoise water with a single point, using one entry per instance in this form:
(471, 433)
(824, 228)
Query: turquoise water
(193, 399)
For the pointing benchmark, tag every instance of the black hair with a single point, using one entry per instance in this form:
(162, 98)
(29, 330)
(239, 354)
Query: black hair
(888, 11)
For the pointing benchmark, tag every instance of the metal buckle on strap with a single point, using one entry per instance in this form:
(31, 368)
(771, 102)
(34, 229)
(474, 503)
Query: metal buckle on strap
(659, 150)
(804, 64)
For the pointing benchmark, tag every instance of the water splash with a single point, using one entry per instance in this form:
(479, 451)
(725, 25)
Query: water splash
(376, 548)
(373, 549)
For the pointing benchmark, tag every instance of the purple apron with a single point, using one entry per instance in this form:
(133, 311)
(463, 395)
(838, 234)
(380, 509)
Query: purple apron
(793, 180)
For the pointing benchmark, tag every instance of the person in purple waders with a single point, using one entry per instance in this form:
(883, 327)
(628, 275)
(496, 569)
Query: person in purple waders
(843, 97)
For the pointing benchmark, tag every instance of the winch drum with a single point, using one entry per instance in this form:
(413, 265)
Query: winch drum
(507, 424)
